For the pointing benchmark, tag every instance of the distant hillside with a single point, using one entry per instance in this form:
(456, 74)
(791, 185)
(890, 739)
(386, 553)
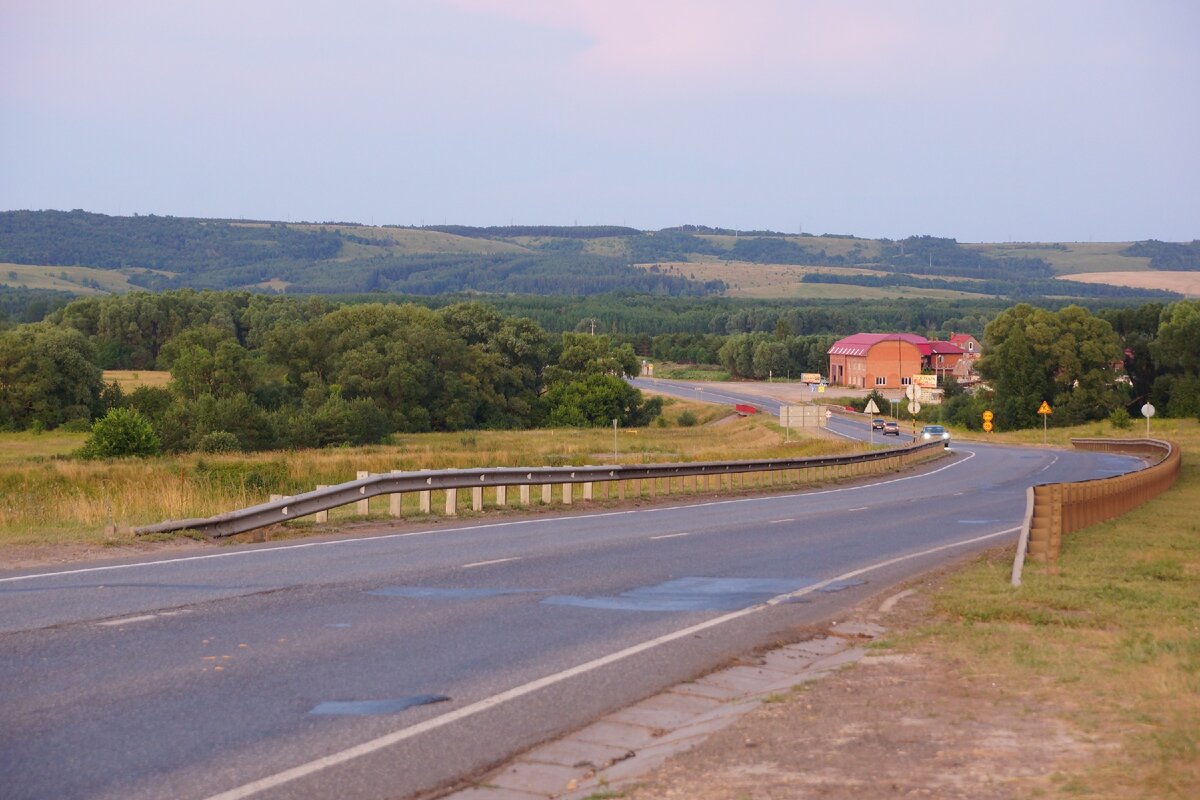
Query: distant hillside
(84, 253)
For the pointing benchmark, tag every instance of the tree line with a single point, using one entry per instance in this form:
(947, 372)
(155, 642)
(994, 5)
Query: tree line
(252, 373)
(1086, 366)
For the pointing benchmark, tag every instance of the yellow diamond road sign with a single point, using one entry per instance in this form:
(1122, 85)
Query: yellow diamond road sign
(1045, 408)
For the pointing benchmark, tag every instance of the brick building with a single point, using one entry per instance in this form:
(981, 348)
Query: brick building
(889, 360)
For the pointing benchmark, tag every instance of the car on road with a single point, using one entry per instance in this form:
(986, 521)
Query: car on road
(891, 428)
(877, 424)
(931, 432)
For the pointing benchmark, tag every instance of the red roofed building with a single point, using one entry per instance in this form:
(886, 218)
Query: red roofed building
(888, 360)
(969, 344)
(875, 360)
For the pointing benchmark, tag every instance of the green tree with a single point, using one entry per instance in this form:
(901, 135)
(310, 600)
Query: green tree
(596, 400)
(47, 377)
(121, 432)
(1070, 359)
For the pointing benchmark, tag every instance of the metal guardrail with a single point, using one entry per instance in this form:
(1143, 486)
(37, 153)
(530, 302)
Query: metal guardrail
(323, 499)
(1057, 509)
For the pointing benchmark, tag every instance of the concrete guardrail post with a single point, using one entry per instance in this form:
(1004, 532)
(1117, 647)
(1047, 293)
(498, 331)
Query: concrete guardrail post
(363, 508)
(321, 516)
(396, 500)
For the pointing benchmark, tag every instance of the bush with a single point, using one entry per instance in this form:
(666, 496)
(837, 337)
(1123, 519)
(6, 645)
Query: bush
(219, 442)
(121, 432)
(1120, 419)
(687, 419)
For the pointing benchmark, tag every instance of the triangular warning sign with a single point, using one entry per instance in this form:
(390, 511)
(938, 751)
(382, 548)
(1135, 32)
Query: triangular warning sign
(871, 408)
(1045, 408)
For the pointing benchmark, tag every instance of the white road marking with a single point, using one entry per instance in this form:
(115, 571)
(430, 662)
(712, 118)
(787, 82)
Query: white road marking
(142, 618)
(261, 551)
(670, 535)
(395, 737)
(1048, 466)
(777, 521)
(493, 561)
(859, 508)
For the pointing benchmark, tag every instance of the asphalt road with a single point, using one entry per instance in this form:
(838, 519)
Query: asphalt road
(728, 394)
(385, 665)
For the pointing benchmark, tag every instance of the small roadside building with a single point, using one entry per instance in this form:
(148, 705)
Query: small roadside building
(876, 360)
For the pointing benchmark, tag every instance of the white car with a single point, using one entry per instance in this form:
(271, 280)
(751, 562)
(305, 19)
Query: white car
(931, 432)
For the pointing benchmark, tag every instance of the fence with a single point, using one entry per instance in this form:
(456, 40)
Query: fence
(499, 480)
(1054, 510)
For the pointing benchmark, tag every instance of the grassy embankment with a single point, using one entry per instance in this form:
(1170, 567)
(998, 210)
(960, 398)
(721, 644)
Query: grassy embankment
(1111, 644)
(48, 497)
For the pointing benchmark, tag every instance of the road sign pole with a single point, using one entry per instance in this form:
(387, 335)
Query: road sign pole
(1045, 425)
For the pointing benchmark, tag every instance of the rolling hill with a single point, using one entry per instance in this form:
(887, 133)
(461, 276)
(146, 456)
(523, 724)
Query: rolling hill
(84, 253)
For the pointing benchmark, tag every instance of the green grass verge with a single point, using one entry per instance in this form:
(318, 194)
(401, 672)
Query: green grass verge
(1110, 641)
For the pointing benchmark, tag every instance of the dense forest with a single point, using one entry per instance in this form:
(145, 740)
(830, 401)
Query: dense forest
(1176, 256)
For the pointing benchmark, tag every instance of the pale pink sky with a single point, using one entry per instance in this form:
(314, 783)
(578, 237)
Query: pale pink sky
(1022, 120)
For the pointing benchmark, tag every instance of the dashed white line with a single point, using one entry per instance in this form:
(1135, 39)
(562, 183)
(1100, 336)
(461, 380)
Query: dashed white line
(1048, 466)
(470, 710)
(122, 621)
(670, 535)
(859, 508)
(777, 521)
(493, 561)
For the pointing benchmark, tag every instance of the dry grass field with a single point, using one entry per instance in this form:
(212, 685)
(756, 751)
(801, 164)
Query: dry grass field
(130, 379)
(1077, 257)
(408, 240)
(1186, 283)
(48, 498)
(77, 280)
(763, 281)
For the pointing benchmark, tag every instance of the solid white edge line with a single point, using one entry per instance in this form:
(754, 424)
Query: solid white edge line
(387, 740)
(493, 561)
(540, 520)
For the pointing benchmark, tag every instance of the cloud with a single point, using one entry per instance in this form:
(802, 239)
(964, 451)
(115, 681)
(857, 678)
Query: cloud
(700, 45)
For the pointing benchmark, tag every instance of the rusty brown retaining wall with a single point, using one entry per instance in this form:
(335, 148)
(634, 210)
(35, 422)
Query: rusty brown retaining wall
(1062, 508)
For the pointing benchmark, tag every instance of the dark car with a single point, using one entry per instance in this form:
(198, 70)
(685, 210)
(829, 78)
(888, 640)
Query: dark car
(876, 424)
(892, 428)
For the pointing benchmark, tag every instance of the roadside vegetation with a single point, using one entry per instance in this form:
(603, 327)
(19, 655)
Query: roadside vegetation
(52, 497)
(1109, 640)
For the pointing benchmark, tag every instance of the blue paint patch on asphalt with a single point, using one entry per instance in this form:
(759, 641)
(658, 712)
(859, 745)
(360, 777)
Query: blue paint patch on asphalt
(363, 708)
(689, 594)
(443, 594)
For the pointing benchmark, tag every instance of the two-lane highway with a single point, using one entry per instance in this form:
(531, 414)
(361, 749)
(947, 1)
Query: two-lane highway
(729, 394)
(383, 666)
